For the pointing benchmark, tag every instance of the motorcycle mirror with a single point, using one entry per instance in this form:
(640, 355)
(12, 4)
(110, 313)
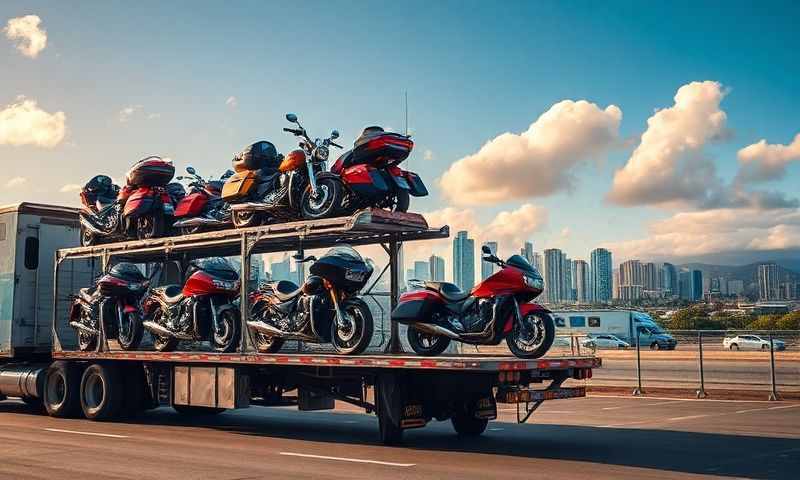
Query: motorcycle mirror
(485, 249)
(334, 134)
(191, 170)
(291, 117)
(179, 177)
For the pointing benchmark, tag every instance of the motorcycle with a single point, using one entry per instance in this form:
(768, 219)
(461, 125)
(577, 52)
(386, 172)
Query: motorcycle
(202, 208)
(496, 308)
(300, 186)
(201, 309)
(325, 309)
(371, 175)
(118, 295)
(142, 209)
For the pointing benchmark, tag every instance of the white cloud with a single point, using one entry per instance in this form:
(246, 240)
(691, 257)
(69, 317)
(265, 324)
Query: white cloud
(668, 167)
(762, 162)
(232, 102)
(29, 38)
(16, 182)
(690, 234)
(126, 113)
(427, 155)
(153, 116)
(538, 161)
(24, 123)
(70, 187)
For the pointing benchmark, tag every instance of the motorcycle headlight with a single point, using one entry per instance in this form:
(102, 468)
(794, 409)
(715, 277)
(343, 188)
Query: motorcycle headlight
(534, 282)
(322, 153)
(226, 285)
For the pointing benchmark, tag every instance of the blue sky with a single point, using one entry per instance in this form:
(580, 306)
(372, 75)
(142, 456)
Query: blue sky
(472, 70)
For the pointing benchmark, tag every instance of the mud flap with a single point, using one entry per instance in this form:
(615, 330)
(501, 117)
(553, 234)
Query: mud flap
(391, 402)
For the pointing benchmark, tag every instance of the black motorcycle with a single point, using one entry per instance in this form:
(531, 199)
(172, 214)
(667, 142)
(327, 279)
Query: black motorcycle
(118, 296)
(325, 309)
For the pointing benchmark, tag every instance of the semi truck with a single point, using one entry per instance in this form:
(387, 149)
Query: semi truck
(43, 268)
(622, 323)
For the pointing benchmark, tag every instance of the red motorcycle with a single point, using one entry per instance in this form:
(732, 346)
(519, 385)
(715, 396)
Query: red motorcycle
(201, 309)
(371, 174)
(142, 209)
(496, 308)
(203, 208)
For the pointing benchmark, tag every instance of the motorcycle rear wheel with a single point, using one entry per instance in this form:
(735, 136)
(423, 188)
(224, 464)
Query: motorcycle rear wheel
(162, 343)
(130, 331)
(426, 344)
(356, 339)
(543, 336)
(150, 226)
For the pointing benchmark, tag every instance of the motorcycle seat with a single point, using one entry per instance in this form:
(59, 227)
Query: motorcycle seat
(170, 293)
(449, 291)
(286, 290)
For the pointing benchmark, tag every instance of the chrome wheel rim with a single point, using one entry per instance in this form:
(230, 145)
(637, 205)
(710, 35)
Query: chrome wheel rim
(535, 337)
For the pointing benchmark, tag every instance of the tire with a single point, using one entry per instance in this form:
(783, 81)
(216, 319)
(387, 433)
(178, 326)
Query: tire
(329, 202)
(87, 341)
(227, 339)
(150, 226)
(162, 344)
(357, 338)
(734, 346)
(466, 425)
(764, 347)
(130, 336)
(426, 344)
(62, 390)
(267, 343)
(390, 433)
(34, 403)
(88, 238)
(655, 346)
(246, 218)
(102, 392)
(543, 340)
(192, 411)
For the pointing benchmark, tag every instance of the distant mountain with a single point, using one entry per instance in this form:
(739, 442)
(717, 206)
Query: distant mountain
(747, 273)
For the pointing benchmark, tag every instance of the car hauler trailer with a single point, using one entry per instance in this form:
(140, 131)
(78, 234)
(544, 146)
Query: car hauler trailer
(404, 391)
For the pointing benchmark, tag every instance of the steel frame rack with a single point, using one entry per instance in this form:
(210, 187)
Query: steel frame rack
(365, 227)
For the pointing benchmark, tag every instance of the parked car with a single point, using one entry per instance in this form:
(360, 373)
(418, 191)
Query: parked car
(751, 342)
(604, 341)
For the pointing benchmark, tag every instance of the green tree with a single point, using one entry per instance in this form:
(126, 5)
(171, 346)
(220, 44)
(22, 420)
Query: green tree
(765, 322)
(790, 321)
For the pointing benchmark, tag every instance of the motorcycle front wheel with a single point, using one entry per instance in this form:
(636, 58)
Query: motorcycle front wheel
(326, 203)
(87, 341)
(425, 343)
(129, 331)
(225, 336)
(150, 226)
(88, 238)
(354, 337)
(536, 340)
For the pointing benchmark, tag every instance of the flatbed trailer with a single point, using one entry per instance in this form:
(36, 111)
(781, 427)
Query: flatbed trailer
(404, 391)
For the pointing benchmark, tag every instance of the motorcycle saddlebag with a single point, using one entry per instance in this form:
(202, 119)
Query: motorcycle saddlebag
(416, 306)
(258, 156)
(378, 148)
(151, 172)
(239, 185)
(416, 187)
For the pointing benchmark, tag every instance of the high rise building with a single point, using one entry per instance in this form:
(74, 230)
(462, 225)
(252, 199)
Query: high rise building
(631, 280)
(553, 275)
(669, 281)
(488, 268)
(650, 276)
(422, 271)
(567, 292)
(690, 285)
(697, 285)
(768, 283)
(436, 264)
(464, 261)
(601, 275)
(735, 287)
(527, 252)
(281, 270)
(580, 272)
(616, 294)
(537, 262)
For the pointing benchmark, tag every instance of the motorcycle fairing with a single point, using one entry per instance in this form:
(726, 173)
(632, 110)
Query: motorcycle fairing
(191, 205)
(365, 181)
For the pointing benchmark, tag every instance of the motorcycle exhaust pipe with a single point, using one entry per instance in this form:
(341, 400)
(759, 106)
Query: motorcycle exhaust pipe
(83, 328)
(436, 330)
(261, 207)
(163, 331)
(273, 331)
(198, 222)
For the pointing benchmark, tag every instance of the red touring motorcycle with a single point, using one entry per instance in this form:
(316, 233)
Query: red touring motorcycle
(142, 209)
(118, 295)
(494, 309)
(201, 309)
(371, 174)
(202, 209)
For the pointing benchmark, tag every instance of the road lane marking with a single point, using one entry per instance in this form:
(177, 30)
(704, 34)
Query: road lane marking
(784, 406)
(688, 417)
(611, 408)
(345, 459)
(93, 434)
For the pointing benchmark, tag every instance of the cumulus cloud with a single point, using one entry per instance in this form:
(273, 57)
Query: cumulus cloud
(690, 234)
(232, 102)
(69, 188)
(27, 35)
(669, 167)
(538, 161)
(126, 113)
(24, 123)
(762, 162)
(427, 155)
(16, 182)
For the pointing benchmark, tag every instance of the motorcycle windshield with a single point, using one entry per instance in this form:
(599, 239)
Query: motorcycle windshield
(215, 266)
(345, 252)
(128, 272)
(518, 261)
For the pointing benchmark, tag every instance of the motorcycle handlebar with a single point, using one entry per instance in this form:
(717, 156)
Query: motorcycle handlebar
(336, 145)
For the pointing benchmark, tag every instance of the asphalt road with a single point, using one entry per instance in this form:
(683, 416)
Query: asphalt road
(592, 438)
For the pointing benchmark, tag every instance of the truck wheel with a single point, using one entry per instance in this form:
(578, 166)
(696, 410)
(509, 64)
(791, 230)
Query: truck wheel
(193, 411)
(391, 434)
(655, 346)
(101, 392)
(62, 390)
(465, 424)
(355, 337)
(35, 403)
(426, 344)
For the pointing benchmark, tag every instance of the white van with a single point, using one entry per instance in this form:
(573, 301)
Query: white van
(622, 323)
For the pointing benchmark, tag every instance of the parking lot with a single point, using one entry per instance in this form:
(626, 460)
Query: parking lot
(596, 437)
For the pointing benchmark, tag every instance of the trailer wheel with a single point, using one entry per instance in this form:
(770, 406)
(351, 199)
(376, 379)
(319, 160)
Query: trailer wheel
(34, 402)
(101, 392)
(465, 424)
(62, 390)
(391, 434)
(193, 411)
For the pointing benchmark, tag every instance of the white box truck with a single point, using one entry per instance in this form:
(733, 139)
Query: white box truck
(621, 323)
